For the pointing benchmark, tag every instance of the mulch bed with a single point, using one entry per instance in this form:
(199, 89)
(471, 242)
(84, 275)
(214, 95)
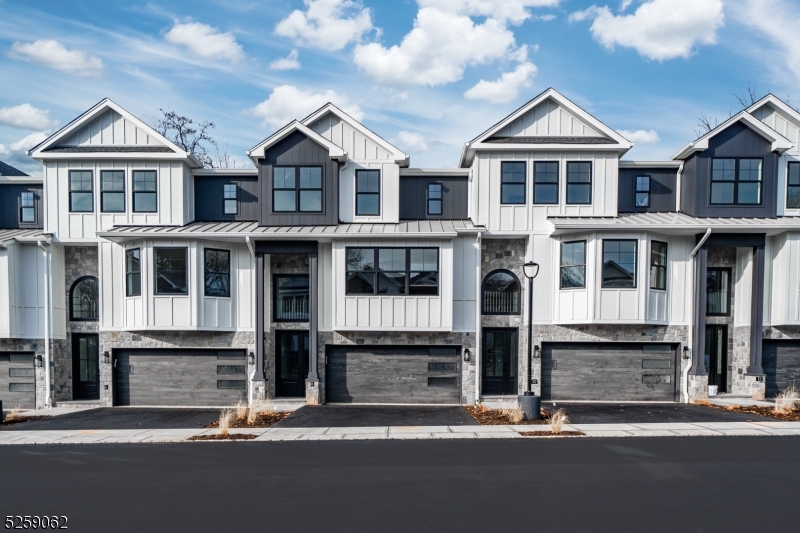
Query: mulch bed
(551, 434)
(496, 417)
(769, 412)
(229, 436)
(263, 420)
(19, 420)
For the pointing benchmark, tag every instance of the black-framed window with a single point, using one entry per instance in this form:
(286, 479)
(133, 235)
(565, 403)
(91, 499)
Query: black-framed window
(291, 297)
(217, 271)
(171, 270)
(81, 191)
(133, 272)
(145, 191)
(27, 209)
(84, 300)
(579, 182)
(297, 189)
(112, 191)
(619, 263)
(387, 271)
(230, 205)
(793, 185)
(512, 182)
(435, 197)
(658, 265)
(718, 292)
(642, 198)
(573, 265)
(500, 293)
(736, 181)
(545, 182)
(368, 192)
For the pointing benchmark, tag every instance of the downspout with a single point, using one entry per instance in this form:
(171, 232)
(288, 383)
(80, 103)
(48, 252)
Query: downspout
(47, 290)
(690, 336)
(678, 188)
(252, 249)
(478, 349)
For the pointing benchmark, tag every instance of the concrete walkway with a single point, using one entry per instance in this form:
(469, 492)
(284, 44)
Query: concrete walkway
(705, 429)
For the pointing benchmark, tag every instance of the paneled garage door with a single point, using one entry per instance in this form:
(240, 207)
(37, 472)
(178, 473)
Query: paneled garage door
(393, 374)
(180, 377)
(781, 363)
(17, 380)
(609, 372)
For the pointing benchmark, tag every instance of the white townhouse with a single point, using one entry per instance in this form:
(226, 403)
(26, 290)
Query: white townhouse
(335, 272)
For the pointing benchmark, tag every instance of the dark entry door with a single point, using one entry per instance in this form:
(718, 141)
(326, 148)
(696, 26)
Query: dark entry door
(499, 361)
(716, 356)
(291, 368)
(85, 367)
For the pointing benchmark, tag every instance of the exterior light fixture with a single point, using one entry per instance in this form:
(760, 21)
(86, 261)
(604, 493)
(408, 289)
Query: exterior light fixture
(467, 355)
(537, 352)
(107, 358)
(251, 358)
(39, 361)
(530, 403)
(531, 269)
(687, 352)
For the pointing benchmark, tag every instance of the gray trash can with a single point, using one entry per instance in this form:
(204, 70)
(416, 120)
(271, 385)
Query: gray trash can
(531, 405)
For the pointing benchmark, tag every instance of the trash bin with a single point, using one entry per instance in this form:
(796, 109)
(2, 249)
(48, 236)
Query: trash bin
(531, 405)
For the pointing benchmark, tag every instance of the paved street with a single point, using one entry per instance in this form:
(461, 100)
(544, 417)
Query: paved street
(638, 485)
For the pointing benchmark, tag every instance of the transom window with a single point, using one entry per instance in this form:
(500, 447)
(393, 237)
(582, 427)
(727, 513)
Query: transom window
(81, 191)
(573, 265)
(512, 182)
(435, 199)
(27, 211)
(145, 191)
(545, 182)
(658, 265)
(579, 182)
(718, 291)
(83, 299)
(133, 272)
(368, 192)
(642, 191)
(112, 191)
(736, 181)
(171, 270)
(793, 185)
(413, 271)
(229, 203)
(501, 291)
(619, 264)
(217, 272)
(297, 189)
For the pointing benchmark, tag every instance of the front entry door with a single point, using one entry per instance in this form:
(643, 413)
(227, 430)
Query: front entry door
(716, 356)
(499, 361)
(85, 367)
(291, 363)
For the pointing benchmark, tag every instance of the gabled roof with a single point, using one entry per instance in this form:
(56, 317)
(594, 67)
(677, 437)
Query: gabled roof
(776, 103)
(8, 170)
(607, 140)
(256, 152)
(779, 142)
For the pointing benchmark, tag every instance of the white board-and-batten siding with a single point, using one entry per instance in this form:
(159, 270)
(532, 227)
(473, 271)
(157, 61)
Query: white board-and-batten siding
(389, 192)
(358, 146)
(111, 129)
(548, 119)
(781, 280)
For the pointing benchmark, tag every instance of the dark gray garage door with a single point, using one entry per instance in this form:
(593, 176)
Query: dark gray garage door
(180, 377)
(17, 381)
(781, 363)
(393, 374)
(609, 372)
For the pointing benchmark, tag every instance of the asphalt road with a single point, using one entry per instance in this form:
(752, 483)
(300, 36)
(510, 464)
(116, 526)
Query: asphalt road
(571, 485)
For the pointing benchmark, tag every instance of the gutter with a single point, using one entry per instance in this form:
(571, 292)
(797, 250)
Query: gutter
(701, 243)
(48, 289)
(250, 387)
(690, 333)
(678, 180)
(477, 355)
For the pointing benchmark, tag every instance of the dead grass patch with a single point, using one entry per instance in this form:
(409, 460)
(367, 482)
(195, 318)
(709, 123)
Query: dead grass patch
(228, 436)
(21, 419)
(757, 410)
(264, 419)
(502, 417)
(551, 434)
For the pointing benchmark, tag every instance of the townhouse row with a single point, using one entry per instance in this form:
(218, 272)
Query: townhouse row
(336, 272)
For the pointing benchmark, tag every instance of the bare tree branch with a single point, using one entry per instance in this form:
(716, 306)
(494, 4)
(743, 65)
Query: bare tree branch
(746, 99)
(705, 124)
(181, 130)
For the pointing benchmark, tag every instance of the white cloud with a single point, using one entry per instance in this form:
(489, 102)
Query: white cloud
(545, 18)
(289, 62)
(205, 41)
(506, 88)
(287, 103)
(514, 11)
(410, 141)
(53, 54)
(28, 142)
(3, 150)
(641, 136)
(777, 20)
(658, 29)
(27, 117)
(326, 24)
(625, 4)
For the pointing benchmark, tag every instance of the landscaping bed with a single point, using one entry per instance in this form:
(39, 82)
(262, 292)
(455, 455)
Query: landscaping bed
(791, 416)
(266, 419)
(20, 419)
(551, 434)
(229, 436)
(501, 417)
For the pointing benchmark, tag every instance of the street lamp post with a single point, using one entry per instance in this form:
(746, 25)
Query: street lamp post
(529, 402)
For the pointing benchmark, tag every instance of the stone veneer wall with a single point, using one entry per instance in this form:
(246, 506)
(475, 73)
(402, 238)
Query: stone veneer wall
(738, 337)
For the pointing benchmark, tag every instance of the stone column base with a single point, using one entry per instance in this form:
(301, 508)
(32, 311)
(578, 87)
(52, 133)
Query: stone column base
(313, 393)
(756, 389)
(258, 391)
(698, 388)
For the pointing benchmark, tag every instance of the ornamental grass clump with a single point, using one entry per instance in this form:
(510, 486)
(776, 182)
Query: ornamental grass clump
(788, 400)
(515, 414)
(225, 419)
(241, 409)
(13, 415)
(557, 420)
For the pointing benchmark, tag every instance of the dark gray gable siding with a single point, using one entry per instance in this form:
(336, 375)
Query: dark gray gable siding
(297, 149)
(414, 195)
(10, 204)
(737, 140)
(208, 198)
(663, 190)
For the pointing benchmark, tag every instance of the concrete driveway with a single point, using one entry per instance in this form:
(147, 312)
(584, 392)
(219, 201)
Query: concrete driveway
(122, 418)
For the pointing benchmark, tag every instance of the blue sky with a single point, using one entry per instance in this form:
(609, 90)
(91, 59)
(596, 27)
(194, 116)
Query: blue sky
(428, 75)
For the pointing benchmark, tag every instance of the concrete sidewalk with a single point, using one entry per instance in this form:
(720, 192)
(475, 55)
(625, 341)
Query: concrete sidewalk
(706, 429)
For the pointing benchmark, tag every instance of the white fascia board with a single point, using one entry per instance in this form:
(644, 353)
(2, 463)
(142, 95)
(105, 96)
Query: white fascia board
(778, 104)
(127, 156)
(21, 179)
(225, 172)
(494, 147)
(648, 164)
(437, 171)
(334, 151)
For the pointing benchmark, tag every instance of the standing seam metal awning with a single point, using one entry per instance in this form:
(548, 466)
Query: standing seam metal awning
(673, 223)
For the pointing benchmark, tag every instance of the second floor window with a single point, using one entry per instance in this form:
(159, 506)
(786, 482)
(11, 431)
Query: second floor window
(217, 266)
(501, 291)
(573, 265)
(83, 299)
(435, 199)
(619, 264)
(413, 271)
(658, 265)
(171, 270)
(642, 191)
(81, 192)
(368, 192)
(736, 181)
(545, 182)
(297, 189)
(793, 185)
(579, 182)
(145, 191)
(229, 206)
(27, 211)
(291, 297)
(112, 191)
(133, 272)
(512, 182)
(718, 292)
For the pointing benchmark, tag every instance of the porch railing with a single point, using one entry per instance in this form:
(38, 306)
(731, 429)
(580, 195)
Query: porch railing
(292, 308)
(500, 302)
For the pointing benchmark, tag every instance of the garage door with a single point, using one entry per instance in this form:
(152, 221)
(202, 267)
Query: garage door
(180, 377)
(17, 381)
(609, 372)
(781, 363)
(381, 374)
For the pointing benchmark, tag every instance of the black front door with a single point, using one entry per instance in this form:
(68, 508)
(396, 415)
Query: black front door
(85, 367)
(716, 356)
(499, 361)
(291, 363)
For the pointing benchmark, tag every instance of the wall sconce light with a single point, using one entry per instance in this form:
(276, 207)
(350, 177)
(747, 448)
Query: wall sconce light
(467, 355)
(107, 358)
(687, 352)
(39, 361)
(251, 358)
(537, 351)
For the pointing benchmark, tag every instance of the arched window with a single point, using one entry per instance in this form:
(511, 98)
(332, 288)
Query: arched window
(83, 299)
(500, 293)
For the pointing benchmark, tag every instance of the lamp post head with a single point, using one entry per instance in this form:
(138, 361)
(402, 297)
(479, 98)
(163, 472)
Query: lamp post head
(531, 269)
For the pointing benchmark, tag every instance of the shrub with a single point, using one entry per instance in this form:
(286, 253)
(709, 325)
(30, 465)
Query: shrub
(788, 400)
(557, 420)
(225, 419)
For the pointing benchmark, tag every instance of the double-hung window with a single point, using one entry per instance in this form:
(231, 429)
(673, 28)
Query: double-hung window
(658, 265)
(793, 185)
(545, 182)
(27, 211)
(435, 199)
(112, 191)
(619, 264)
(512, 182)
(579, 182)
(736, 181)
(217, 266)
(171, 270)
(642, 191)
(368, 192)
(133, 272)
(81, 191)
(229, 203)
(145, 191)
(387, 271)
(573, 265)
(297, 189)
